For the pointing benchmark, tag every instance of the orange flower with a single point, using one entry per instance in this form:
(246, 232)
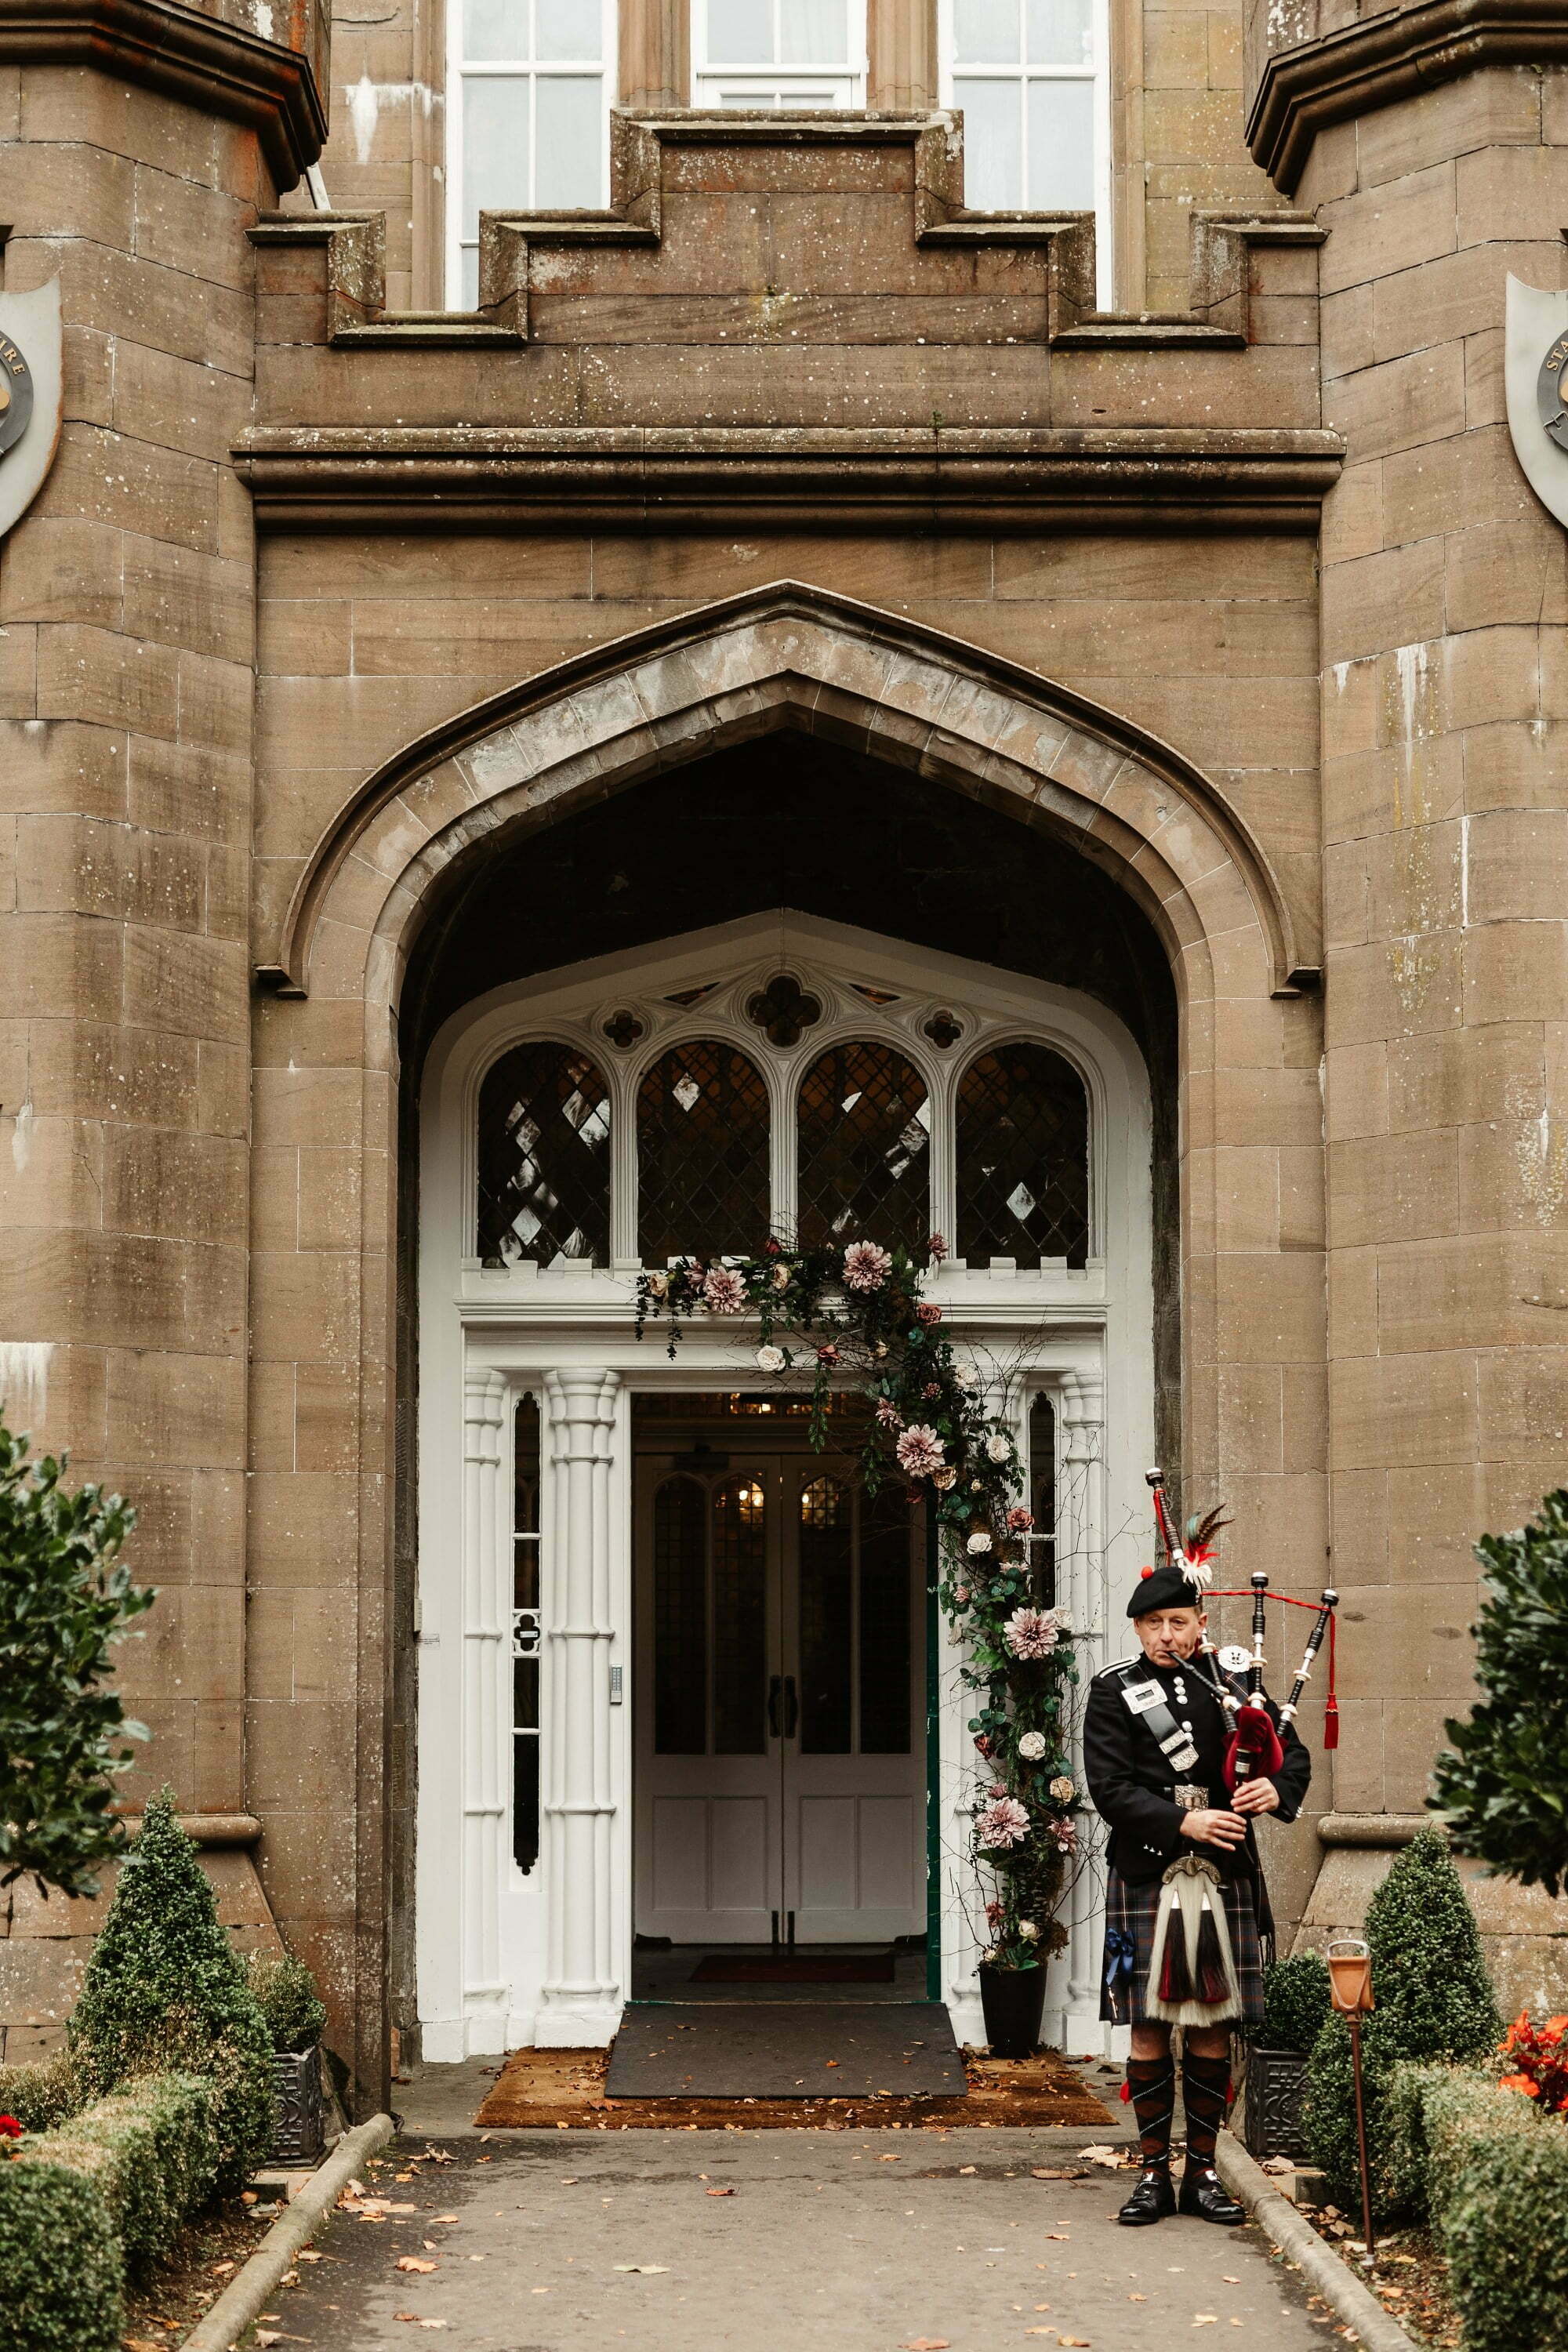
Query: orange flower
(1520, 2082)
(1555, 2027)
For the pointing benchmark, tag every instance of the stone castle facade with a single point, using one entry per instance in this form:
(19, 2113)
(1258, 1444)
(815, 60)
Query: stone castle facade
(1177, 627)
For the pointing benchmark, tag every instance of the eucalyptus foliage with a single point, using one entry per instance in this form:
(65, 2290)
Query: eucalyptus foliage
(66, 1598)
(1502, 1782)
(855, 1315)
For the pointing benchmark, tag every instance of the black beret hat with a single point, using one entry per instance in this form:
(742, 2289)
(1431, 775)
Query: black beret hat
(1163, 1588)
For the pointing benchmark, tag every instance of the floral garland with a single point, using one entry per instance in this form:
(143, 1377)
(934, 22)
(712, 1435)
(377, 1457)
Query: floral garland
(860, 1312)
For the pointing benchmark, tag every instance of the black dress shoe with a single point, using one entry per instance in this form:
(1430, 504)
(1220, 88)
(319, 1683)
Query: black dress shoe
(1203, 2197)
(1152, 2201)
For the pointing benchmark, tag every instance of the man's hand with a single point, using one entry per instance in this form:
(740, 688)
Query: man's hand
(1257, 1795)
(1209, 1826)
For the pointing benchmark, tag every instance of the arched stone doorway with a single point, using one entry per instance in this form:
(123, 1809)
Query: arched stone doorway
(933, 716)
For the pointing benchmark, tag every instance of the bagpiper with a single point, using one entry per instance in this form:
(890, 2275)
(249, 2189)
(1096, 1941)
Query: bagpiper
(1173, 1769)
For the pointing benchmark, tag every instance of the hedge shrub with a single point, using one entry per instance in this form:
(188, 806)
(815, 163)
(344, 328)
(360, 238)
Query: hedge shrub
(149, 2150)
(1296, 2002)
(1434, 2001)
(41, 2095)
(286, 1995)
(165, 1992)
(1490, 2174)
(61, 2265)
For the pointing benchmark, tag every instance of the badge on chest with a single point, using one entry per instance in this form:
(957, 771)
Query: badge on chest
(1175, 1744)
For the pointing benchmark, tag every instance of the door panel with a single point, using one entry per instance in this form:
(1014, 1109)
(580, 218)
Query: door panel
(780, 1717)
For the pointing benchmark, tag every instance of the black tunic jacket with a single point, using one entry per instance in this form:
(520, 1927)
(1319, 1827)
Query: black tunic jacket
(1131, 1782)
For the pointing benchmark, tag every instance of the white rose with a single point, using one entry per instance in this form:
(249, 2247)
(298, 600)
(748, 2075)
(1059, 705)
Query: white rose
(1027, 1929)
(996, 1447)
(771, 1359)
(1062, 1787)
(979, 1540)
(658, 1284)
(780, 1277)
(1032, 1746)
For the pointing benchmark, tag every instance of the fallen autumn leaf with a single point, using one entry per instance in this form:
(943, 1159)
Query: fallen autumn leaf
(413, 2262)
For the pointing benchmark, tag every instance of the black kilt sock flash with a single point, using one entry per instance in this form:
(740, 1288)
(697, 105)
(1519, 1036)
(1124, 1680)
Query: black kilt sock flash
(1152, 2084)
(1204, 2083)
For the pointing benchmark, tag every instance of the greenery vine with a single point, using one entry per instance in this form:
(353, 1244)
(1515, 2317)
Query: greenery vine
(856, 1318)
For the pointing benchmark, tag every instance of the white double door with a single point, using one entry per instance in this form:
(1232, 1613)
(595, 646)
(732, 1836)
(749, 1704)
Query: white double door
(780, 1703)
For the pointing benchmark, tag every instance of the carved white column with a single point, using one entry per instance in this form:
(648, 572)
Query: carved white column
(583, 1995)
(1080, 1588)
(486, 1706)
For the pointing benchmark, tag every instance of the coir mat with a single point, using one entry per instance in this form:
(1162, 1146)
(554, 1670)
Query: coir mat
(539, 2090)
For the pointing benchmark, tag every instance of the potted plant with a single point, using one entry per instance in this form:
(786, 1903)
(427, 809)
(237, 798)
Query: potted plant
(1295, 2011)
(1026, 1864)
(285, 1993)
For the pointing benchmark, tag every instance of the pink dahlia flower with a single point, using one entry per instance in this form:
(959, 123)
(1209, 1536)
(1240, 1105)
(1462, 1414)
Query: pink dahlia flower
(866, 1268)
(723, 1291)
(1032, 1633)
(889, 1416)
(920, 1451)
(1004, 1822)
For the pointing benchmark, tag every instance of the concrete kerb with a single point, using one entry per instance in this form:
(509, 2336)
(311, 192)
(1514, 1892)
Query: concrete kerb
(1293, 2235)
(242, 2300)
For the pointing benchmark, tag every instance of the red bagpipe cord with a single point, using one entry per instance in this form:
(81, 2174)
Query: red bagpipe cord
(1331, 1703)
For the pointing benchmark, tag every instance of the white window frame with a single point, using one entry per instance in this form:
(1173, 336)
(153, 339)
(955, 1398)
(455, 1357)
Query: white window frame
(1099, 73)
(459, 70)
(826, 83)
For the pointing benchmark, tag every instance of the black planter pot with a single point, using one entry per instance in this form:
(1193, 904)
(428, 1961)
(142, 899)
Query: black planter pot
(1276, 2080)
(299, 2132)
(1013, 2001)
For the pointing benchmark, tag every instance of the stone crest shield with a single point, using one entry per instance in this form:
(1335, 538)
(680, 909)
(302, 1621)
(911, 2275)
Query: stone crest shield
(1535, 363)
(32, 395)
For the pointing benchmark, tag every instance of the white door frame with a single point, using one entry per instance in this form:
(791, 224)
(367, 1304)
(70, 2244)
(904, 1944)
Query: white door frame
(504, 1961)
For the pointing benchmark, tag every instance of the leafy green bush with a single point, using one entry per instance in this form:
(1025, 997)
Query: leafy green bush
(60, 2265)
(64, 1601)
(1503, 1783)
(165, 1992)
(1490, 2174)
(1295, 2002)
(1434, 2001)
(286, 1995)
(149, 2150)
(42, 2095)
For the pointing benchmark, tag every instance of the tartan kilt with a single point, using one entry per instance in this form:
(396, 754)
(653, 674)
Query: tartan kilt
(1135, 1910)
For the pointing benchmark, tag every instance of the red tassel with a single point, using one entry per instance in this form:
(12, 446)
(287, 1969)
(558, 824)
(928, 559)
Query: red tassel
(1125, 2093)
(1212, 1987)
(1175, 1977)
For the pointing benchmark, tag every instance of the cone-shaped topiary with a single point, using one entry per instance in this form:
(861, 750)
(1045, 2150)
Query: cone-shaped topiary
(166, 1992)
(1433, 2001)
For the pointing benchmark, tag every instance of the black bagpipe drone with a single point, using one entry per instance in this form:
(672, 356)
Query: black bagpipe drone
(1254, 1745)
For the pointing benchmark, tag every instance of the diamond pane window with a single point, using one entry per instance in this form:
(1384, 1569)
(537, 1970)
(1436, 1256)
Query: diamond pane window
(864, 1137)
(544, 1157)
(702, 1153)
(1023, 1158)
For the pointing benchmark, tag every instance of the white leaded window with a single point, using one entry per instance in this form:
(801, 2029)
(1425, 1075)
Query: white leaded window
(823, 1105)
(778, 53)
(1030, 76)
(529, 89)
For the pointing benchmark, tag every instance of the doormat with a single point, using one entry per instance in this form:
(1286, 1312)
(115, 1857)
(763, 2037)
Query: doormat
(784, 2049)
(794, 1968)
(563, 2090)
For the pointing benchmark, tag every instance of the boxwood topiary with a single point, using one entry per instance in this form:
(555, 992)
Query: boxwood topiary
(164, 1992)
(149, 2150)
(60, 2263)
(1295, 2002)
(286, 1995)
(43, 2094)
(1434, 2001)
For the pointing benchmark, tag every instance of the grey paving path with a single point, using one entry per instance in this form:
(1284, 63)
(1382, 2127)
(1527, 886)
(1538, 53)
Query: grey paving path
(860, 2241)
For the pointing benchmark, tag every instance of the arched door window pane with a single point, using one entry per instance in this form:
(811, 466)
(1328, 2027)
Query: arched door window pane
(702, 1153)
(544, 1157)
(1023, 1158)
(680, 1618)
(864, 1139)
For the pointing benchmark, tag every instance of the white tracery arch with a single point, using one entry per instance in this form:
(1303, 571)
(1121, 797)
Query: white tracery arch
(503, 1959)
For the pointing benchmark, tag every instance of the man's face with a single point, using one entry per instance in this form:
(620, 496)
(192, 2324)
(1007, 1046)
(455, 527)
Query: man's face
(1169, 1634)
